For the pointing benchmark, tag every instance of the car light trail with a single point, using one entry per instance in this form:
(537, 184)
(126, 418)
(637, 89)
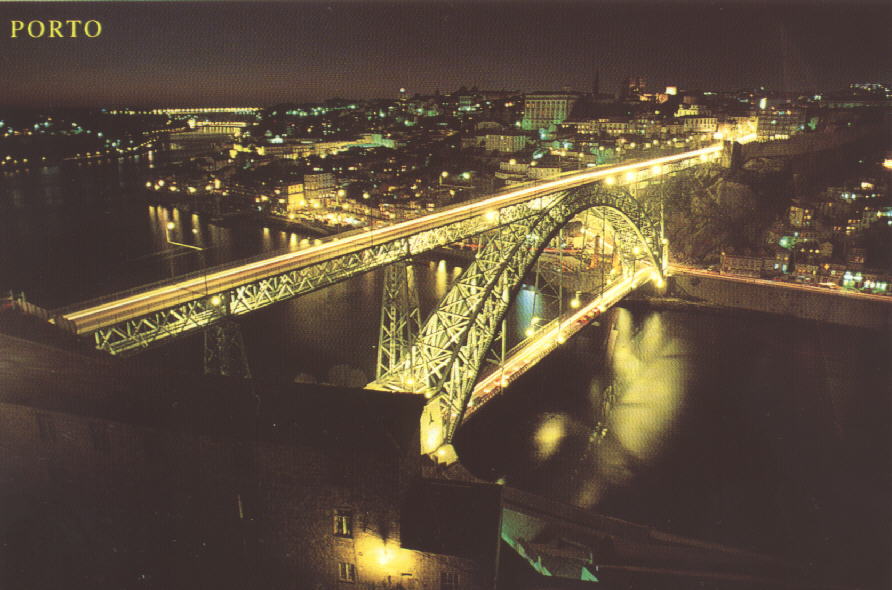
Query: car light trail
(93, 318)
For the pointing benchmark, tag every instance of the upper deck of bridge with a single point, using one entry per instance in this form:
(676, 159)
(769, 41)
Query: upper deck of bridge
(145, 299)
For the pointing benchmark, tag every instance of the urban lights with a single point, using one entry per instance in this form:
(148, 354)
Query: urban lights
(534, 325)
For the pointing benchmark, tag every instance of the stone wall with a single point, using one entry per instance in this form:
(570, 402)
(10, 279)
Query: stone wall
(828, 307)
(805, 143)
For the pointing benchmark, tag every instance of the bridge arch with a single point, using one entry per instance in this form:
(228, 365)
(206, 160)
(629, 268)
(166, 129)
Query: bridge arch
(447, 355)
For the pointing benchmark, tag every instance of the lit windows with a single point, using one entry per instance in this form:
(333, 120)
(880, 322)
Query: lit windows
(343, 523)
(346, 572)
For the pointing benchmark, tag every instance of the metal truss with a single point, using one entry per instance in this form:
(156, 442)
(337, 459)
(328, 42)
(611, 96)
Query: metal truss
(400, 318)
(454, 340)
(224, 350)
(138, 333)
(141, 332)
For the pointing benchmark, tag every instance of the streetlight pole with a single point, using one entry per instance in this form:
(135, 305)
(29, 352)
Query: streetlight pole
(170, 227)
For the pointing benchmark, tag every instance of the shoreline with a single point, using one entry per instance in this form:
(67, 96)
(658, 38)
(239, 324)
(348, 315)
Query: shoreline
(712, 295)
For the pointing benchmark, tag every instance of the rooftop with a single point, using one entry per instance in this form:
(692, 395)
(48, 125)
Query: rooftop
(53, 379)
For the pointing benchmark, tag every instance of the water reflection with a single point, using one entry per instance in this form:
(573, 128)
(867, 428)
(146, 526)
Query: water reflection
(529, 311)
(441, 278)
(549, 435)
(634, 403)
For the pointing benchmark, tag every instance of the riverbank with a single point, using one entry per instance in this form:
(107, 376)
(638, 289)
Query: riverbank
(207, 208)
(717, 294)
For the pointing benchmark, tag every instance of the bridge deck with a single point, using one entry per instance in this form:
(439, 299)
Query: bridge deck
(133, 305)
(550, 337)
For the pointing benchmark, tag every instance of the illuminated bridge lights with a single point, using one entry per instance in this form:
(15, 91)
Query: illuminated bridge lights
(138, 318)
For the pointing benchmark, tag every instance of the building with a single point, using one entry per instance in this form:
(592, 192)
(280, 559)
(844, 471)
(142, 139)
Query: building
(320, 188)
(610, 126)
(699, 124)
(296, 198)
(503, 142)
(855, 258)
(751, 266)
(780, 123)
(544, 110)
(634, 86)
(692, 110)
(127, 478)
(800, 215)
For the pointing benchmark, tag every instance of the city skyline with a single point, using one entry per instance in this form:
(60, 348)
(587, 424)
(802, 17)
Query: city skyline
(210, 53)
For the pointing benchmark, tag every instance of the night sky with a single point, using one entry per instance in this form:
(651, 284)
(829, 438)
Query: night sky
(260, 53)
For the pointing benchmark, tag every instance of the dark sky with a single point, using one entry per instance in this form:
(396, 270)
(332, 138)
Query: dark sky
(216, 53)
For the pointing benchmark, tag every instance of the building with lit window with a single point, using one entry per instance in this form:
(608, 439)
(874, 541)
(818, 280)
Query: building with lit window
(699, 124)
(800, 215)
(752, 266)
(320, 188)
(780, 123)
(634, 86)
(296, 198)
(507, 143)
(543, 110)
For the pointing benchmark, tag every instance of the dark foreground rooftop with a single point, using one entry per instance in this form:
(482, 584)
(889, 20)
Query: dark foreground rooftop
(54, 379)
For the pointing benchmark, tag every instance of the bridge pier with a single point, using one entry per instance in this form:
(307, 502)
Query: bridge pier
(400, 319)
(224, 347)
(224, 350)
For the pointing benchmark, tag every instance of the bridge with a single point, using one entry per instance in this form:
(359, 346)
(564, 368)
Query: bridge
(442, 357)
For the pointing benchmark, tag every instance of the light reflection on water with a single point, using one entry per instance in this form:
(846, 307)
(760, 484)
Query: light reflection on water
(754, 431)
(441, 284)
(647, 372)
(630, 408)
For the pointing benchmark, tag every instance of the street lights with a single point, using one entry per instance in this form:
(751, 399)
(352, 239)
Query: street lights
(170, 227)
(534, 325)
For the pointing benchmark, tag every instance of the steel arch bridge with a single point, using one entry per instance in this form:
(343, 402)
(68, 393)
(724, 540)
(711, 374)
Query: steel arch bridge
(445, 357)
(127, 322)
(442, 358)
